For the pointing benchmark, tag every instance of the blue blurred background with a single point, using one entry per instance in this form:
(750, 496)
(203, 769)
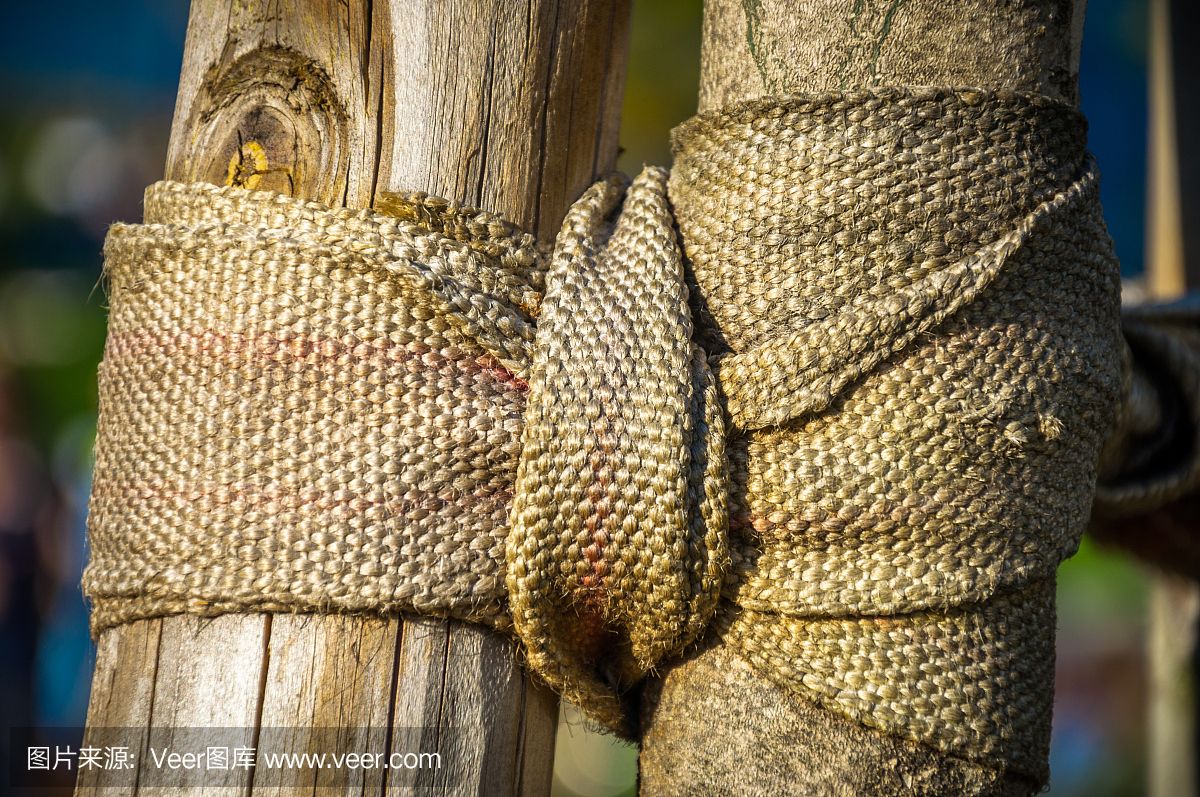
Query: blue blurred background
(86, 94)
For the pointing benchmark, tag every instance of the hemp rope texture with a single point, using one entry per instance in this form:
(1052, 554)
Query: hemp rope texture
(861, 467)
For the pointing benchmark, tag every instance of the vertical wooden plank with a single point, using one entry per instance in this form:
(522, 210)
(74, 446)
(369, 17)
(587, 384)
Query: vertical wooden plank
(1172, 267)
(417, 724)
(122, 697)
(483, 694)
(537, 741)
(509, 106)
(325, 691)
(194, 689)
(513, 107)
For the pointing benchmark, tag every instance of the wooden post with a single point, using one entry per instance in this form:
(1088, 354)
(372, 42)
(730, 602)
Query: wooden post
(711, 716)
(1173, 267)
(513, 107)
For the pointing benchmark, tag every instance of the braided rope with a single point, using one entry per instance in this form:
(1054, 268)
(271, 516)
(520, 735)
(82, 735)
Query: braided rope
(860, 464)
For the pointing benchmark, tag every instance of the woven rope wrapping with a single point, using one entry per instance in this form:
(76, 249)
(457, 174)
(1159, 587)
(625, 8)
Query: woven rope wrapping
(895, 531)
(907, 308)
(292, 420)
(619, 511)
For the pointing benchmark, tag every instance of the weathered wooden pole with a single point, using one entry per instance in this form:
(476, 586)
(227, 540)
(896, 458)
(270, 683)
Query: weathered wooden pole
(1173, 267)
(712, 721)
(512, 107)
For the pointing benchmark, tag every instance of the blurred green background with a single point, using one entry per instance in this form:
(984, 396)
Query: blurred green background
(86, 92)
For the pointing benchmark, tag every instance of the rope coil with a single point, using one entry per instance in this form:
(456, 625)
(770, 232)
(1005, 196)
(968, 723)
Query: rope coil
(851, 426)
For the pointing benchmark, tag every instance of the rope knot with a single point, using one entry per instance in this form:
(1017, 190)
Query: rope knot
(911, 307)
(617, 547)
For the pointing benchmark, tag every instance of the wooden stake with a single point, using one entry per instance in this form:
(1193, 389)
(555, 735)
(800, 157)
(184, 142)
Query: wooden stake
(513, 107)
(711, 719)
(1172, 267)
(760, 47)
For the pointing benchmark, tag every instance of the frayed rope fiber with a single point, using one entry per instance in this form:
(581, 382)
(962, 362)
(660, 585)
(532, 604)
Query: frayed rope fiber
(852, 425)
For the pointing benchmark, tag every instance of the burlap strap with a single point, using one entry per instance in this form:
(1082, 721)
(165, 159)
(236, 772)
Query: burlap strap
(905, 309)
(620, 504)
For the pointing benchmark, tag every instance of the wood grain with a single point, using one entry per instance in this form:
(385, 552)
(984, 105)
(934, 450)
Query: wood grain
(122, 697)
(510, 106)
(531, 105)
(756, 47)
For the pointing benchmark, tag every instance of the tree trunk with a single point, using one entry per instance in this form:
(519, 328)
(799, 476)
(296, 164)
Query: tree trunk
(710, 718)
(512, 107)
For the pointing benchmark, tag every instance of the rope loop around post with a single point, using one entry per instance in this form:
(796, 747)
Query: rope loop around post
(832, 392)
(617, 551)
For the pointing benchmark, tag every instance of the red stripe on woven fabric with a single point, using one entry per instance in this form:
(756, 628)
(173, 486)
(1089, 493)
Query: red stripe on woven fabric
(287, 499)
(313, 350)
